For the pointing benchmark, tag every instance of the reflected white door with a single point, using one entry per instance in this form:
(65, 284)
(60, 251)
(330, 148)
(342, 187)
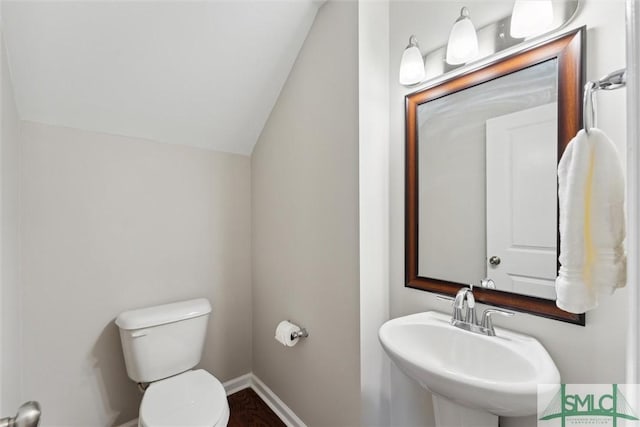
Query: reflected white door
(522, 201)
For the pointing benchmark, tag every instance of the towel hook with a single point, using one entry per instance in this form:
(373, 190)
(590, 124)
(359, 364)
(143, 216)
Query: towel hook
(614, 80)
(611, 81)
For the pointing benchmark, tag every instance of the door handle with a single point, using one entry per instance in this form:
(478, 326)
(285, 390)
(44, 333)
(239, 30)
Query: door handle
(494, 260)
(28, 416)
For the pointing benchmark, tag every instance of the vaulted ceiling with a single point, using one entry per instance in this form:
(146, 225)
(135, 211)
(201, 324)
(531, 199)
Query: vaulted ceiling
(199, 73)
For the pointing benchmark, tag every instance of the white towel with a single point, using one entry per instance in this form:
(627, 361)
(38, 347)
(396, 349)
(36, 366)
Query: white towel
(592, 225)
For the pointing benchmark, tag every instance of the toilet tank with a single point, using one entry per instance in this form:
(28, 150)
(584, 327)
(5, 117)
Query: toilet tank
(163, 340)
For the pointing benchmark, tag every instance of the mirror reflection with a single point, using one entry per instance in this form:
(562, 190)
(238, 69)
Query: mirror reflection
(487, 188)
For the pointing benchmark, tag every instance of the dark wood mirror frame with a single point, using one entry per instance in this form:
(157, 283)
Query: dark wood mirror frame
(568, 48)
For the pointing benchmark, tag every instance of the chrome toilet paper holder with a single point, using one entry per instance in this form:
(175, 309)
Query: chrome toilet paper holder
(302, 333)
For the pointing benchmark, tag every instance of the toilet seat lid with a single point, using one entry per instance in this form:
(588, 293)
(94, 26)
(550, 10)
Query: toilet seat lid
(193, 398)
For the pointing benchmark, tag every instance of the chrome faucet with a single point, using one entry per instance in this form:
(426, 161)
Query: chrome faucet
(464, 295)
(469, 320)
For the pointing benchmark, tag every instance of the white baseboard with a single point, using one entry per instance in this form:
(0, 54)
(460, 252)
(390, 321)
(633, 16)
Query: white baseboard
(237, 384)
(273, 401)
(266, 394)
(132, 423)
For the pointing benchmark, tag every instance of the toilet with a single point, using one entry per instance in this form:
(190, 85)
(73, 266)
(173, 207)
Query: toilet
(161, 345)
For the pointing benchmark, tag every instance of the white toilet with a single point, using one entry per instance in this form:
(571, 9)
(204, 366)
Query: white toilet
(161, 345)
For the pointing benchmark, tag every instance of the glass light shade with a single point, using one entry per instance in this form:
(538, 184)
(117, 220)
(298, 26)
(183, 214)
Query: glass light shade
(463, 40)
(530, 18)
(412, 64)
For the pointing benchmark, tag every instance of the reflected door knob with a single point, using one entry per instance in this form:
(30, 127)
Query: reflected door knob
(494, 260)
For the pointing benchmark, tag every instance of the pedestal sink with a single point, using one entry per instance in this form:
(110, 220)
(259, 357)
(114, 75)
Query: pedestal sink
(474, 378)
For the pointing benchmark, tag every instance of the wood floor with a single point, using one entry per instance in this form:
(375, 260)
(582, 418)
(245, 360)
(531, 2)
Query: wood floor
(248, 410)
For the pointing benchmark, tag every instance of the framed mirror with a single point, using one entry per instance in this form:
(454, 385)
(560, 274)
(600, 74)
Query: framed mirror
(481, 185)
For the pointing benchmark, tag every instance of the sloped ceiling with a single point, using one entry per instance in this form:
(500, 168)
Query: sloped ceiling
(205, 74)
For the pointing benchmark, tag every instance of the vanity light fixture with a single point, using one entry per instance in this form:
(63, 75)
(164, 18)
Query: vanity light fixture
(412, 64)
(530, 18)
(463, 40)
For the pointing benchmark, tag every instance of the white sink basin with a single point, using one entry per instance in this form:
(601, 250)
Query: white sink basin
(498, 374)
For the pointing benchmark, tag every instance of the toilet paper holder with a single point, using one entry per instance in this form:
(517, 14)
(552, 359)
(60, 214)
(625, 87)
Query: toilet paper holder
(302, 333)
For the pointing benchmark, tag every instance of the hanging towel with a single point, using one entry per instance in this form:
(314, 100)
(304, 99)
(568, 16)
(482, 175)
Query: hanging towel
(592, 224)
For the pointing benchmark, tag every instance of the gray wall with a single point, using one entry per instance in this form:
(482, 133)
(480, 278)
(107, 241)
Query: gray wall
(10, 356)
(305, 227)
(600, 346)
(113, 223)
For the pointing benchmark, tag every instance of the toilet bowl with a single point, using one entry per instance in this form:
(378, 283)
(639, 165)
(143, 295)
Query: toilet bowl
(193, 398)
(161, 346)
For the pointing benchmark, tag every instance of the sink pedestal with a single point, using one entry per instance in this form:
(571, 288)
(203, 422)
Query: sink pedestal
(450, 414)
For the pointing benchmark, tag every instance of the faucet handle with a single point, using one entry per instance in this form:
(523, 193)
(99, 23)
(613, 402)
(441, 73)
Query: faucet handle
(487, 322)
